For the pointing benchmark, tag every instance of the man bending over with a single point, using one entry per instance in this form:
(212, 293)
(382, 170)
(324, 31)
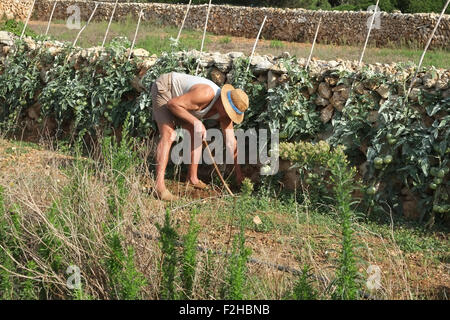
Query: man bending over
(184, 100)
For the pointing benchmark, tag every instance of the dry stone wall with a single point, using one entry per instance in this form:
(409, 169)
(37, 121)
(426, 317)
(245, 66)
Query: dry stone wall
(18, 9)
(345, 27)
(328, 94)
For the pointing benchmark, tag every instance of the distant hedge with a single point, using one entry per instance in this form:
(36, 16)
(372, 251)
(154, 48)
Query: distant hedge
(405, 6)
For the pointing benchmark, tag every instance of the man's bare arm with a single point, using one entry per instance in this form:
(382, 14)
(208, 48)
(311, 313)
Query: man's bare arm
(199, 96)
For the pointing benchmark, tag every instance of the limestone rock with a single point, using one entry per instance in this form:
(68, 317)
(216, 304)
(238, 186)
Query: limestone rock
(140, 53)
(217, 76)
(338, 101)
(321, 102)
(383, 91)
(6, 38)
(5, 50)
(324, 90)
(221, 61)
(261, 64)
(313, 89)
(272, 79)
(326, 114)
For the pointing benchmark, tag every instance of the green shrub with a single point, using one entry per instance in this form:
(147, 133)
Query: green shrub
(234, 288)
(19, 83)
(303, 289)
(16, 27)
(288, 110)
(343, 181)
(125, 280)
(189, 259)
(169, 258)
(334, 165)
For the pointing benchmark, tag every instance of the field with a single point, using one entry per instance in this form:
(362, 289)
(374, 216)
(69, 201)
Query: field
(37, 181)
(80, 219)
(154, 37)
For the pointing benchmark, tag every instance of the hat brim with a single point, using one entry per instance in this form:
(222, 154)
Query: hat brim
(234, 116)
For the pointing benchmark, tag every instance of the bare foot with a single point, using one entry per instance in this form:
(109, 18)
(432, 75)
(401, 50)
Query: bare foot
(198, 184)
(166, 195)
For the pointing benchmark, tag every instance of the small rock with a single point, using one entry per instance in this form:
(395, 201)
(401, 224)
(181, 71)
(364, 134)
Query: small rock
(441, 84)
(235, 54)
(140, 53)
(261, 64)
(30, 43)
(414, 95)
(372, 116)
(5, 50)
(370, 84)
(321, 102)
(221, 62)
(383, 91)
(313, 89)
(272, 79)
(331, 81)
(325, 90)
(326, 114)
(338, 101)
(6, 38)
(217, 76)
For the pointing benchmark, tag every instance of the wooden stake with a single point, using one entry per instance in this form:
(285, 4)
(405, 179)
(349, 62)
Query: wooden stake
(109, 24)
(184, 20)
(135, 35)
(256, 42)
(425, 50)
(28, 19)
(368, 32)
(314, 43)
(217, 168)
(204, 35)
(51, 16)
(84, 27)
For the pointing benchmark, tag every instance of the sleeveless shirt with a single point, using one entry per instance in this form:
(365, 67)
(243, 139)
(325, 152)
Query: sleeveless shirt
(182, 83)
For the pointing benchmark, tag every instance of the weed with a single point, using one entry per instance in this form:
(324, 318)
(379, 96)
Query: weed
(234, 289)
(169, 258)
(276, 44)
(303, 289)
(189, 259)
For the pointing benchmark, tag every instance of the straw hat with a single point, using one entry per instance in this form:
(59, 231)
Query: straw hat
(235, 102)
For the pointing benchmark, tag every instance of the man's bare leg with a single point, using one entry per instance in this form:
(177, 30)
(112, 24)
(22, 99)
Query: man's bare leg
(167, 134)
(196, 152)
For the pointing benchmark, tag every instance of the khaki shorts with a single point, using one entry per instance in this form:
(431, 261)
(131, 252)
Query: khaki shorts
(161, 94)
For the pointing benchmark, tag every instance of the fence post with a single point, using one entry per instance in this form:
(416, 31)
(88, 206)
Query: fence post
(314, 44)
(28, 19)
(89, 20)
(109, 24)
(256, 42)
(204, 35)
(368, 32)
(136, 33)
(184, 20)
(51, 16)
(425, 51)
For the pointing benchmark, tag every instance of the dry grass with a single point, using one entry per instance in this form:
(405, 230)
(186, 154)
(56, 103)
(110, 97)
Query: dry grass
(35, 178)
